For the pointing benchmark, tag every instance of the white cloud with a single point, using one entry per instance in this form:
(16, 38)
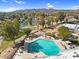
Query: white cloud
(19, 2)
(10, 9)
(4, 0)
(49, 5)
(75, 7)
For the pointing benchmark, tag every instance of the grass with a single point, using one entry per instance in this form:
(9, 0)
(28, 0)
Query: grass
(20, 34)
(8, 43)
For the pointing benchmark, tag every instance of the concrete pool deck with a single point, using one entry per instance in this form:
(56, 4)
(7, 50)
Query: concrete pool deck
(65, 54)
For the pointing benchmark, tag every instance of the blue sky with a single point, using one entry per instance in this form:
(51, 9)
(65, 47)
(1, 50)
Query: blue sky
(12, 5)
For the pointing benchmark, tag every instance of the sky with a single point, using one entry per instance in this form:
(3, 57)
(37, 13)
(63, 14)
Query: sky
(12, 5)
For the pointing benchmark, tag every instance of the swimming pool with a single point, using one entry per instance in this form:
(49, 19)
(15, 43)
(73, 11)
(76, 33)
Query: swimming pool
(47, 47)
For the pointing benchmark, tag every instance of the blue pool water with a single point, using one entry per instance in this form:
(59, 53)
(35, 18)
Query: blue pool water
(45, 46)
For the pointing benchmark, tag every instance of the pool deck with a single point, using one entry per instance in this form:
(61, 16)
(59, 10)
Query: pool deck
(61, 44)
(67, 54)
(64, 54)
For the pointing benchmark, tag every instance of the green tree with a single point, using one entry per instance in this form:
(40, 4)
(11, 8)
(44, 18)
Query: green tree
(30, 21)
(55, 17)
(48, 22)
(49, 34)
(62, 16)
(1, 28)
(52, 20)
(9, 30)
(42, 19)
(16, 25)
(27, 31)
(63, 32)
(42, 23)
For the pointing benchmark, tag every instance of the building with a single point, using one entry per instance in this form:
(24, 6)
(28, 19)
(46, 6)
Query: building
(69, 19)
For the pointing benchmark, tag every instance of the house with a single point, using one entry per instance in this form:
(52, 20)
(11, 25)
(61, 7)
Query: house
(72, 26)
(23, 22)
(69, 19)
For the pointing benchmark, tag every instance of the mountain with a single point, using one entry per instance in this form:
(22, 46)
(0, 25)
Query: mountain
(29, 11)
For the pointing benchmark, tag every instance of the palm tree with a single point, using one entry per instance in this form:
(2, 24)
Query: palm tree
(37, 20)
(27, 31)
(62, 16)
(42, 19)
(55, 17)
(48, 20)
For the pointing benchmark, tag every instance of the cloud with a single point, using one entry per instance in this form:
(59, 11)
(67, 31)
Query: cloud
(49, 5)
(19, 2)
(75, 7)
(10, 9)
(4, 0)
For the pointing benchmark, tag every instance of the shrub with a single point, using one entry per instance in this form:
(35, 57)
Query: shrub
(63, 32)
(49, 34)
(27, 31)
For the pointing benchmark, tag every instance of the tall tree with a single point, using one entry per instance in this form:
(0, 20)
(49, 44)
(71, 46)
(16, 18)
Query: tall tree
(16, 25)
(27, 31)
(48, 20)
(63, 32)
(9, 30)
(30, 21)
(61, 16)
(56, 17)
(42, 19)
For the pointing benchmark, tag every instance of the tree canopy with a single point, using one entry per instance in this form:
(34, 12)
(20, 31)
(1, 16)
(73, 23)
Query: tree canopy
(27, 31)
(9, 29)
(63, 32)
